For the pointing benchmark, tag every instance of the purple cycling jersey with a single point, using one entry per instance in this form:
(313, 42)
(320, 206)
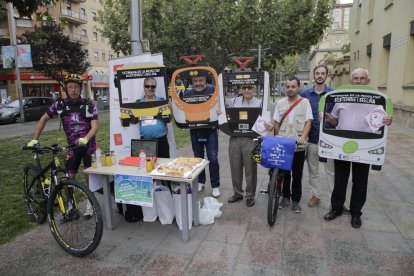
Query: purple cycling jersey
(74, 123)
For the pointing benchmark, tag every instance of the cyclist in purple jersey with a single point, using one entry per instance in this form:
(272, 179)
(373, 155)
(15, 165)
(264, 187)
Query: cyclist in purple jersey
(80, 123)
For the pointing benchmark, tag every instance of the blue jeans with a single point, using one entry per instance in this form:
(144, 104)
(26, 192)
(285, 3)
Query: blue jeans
(201, 139)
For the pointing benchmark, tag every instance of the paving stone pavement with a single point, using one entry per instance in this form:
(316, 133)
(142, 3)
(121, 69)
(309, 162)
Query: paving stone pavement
(241, 242)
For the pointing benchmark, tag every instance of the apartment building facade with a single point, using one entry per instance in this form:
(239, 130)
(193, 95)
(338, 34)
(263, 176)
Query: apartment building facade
(329, 50)
(81, 27)
(382, 41)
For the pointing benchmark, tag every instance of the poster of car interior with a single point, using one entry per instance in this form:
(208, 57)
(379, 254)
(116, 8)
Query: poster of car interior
(136, 190)
(196, 105)
(136, 69)
(244, 96)
(352, 127)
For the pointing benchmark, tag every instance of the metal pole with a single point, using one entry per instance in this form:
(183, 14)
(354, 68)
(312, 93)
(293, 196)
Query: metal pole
(274, 85)
(260, 56)
(280, 84)
(13, 40)
(136, 27)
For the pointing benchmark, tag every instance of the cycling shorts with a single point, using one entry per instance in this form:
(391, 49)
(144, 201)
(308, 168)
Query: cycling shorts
(74, 158)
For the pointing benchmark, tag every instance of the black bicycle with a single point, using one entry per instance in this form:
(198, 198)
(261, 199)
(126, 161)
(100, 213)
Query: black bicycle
(275, 194)
(275, 186)
(49, 193)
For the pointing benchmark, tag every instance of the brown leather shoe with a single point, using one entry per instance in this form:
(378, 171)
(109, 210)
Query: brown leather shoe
(235, 198)
(313, 201)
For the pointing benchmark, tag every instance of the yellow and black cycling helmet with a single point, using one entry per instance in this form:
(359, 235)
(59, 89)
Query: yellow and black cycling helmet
(73, 78)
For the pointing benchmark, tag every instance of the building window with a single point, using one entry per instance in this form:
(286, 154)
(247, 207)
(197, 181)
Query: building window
(94, 16)
(95, 36)
(83, 11)
(412, 28)
(369, 50)
(386, 42)
(83, 32)
(358, 19)
(388, 3)
(384, 61)
(111, 56)
(370, 11)
(96, 56)
(409, 66)
(103, 57)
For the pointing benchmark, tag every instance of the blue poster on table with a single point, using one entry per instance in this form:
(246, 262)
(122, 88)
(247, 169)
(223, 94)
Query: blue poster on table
(277, 152)
(132, 189)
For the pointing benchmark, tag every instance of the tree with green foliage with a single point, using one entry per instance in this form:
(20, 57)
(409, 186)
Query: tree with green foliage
(114, 24)
(223, 28)
(28, 7)
(54, 54)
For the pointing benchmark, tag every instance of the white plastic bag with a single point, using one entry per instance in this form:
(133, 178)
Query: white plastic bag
(209, 211)
(206, 216)
(150, 213)
(165, 204)
(214, 205)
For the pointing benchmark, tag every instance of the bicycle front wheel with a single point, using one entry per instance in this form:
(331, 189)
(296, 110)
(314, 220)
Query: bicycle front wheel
(34, 196)
(273, 201)
(76, 234)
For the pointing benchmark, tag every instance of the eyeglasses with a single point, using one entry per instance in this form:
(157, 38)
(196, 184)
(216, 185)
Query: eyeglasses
(247, 87)
(150, 86)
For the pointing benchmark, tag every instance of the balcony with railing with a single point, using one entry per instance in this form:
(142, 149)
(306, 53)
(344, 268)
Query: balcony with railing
(82, 39)
(73, 16)
(24, 23)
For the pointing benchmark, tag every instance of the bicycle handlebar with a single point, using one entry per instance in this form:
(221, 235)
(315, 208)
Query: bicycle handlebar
(53, 148)
(39, 149)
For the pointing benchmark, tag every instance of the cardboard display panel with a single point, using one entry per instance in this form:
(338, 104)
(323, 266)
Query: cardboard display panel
(130, 84)
(352, 126)
(195, 98)
(238, 115)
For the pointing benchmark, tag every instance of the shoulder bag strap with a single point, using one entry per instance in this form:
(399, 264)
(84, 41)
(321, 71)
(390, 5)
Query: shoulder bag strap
(290, 109)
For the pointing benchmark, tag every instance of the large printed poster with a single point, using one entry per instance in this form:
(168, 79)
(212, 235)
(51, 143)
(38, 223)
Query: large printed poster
(195, 97)
(24, 56)
(120, 136)
(352, 127)
(136, 190)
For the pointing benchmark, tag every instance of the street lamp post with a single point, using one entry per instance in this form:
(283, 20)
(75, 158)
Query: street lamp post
(13, 40)
(136, 27)
(259, 51)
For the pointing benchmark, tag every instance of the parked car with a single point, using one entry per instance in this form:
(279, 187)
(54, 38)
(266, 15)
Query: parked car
(104, 98)
(34, 108)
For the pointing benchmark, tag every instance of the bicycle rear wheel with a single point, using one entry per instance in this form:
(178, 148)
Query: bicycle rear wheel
(273, 201)
(77, 235)
(33, 195)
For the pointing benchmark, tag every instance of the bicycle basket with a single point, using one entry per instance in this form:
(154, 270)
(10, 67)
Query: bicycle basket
(277, 152)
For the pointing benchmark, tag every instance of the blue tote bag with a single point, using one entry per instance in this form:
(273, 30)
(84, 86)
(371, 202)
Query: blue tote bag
(277, 152)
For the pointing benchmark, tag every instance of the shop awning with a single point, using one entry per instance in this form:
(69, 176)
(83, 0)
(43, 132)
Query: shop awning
(100, 84)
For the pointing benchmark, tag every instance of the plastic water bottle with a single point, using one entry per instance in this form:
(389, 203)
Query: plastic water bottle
(142, 157)
(98, 154)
